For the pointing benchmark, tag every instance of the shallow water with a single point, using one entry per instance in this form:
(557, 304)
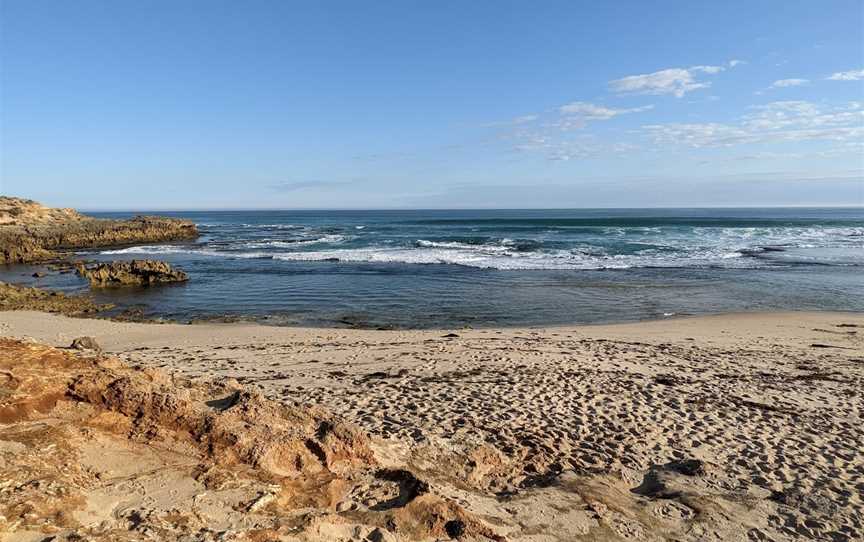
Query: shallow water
(482, 268)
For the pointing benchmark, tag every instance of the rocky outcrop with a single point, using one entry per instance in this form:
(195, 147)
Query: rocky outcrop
(26, 212)
(31, 232)
(14, 297)
(85, 343)
(131, 273)
(92, 449)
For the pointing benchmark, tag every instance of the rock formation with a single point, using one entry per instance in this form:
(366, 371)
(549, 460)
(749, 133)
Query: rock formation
(93, 449)
(26, 212)
(131, 273)
(31, 232)
(85, 343)
(14, 297)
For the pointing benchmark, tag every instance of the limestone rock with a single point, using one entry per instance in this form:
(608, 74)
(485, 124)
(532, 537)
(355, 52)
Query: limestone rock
(13, 297)
(18, 211)
(85, 343)
(131, 273)
(30, 232)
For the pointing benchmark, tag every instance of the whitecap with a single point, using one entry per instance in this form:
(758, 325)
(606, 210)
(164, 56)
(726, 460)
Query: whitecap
(168, 249)
(331, 239)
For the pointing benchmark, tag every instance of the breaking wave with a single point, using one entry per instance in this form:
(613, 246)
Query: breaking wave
(603, 246)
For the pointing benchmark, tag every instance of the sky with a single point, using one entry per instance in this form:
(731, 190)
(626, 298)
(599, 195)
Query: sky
(447, 104)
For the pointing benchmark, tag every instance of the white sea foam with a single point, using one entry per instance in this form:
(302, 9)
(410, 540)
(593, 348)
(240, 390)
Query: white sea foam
(274, 226)
(510, 260)
(463, 246)
(669, 248)
(170, 249)
(332, 239)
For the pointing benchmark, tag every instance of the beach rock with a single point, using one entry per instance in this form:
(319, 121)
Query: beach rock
(31, 232)
(131, 273)
(13, 297)
(247, 461)
(85, 343)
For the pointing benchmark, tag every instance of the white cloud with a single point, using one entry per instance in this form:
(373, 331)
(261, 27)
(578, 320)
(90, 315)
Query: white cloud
(708, 69)
(515, 121)
(597, 112)
(562, 150)
(782, 83)
(773, 122)
(674, 81)
(801, 114)
(524, 119)
(735, 62)
(723, 135)
(851, 75)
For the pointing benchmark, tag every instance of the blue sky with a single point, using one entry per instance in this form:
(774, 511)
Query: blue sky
(386, 104)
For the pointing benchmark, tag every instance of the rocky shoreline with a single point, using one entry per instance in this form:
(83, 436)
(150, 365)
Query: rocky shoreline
(13, 297)
(31, 232)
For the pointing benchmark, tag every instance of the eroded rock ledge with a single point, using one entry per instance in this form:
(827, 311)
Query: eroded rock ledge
(131, 273)
(13, 297)
(31, 232)
(142, 455)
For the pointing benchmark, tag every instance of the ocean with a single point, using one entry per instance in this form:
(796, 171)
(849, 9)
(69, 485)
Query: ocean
(436, 268)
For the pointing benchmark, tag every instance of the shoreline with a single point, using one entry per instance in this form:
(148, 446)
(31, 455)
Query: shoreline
(80, 304)
(31, 323)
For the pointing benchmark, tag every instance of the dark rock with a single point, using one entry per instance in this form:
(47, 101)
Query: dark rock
(37, 275)
(131, 273)
(454, 528)
(85, 343)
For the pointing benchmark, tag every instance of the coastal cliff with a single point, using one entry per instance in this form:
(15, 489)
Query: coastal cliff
(31, 232)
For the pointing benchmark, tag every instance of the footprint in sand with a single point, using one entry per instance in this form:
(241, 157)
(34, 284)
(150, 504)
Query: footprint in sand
(673, 510)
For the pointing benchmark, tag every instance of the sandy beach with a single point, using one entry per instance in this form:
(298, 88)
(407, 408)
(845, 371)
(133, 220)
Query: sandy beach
(429, 272)
(728, 427)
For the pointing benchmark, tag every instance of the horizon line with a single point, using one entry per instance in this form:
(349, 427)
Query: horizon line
(378, 209)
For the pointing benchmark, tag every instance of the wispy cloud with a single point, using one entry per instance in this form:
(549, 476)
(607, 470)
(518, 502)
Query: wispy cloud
(548, 136)
(559, 150)
(293, 186)
(771, 123)
(783, 83)
(851, 75)
(674, 81)
(597, 112)
(708, 69)
(515, 121)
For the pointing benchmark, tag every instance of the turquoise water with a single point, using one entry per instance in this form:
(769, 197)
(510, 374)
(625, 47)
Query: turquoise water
(504, 267)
